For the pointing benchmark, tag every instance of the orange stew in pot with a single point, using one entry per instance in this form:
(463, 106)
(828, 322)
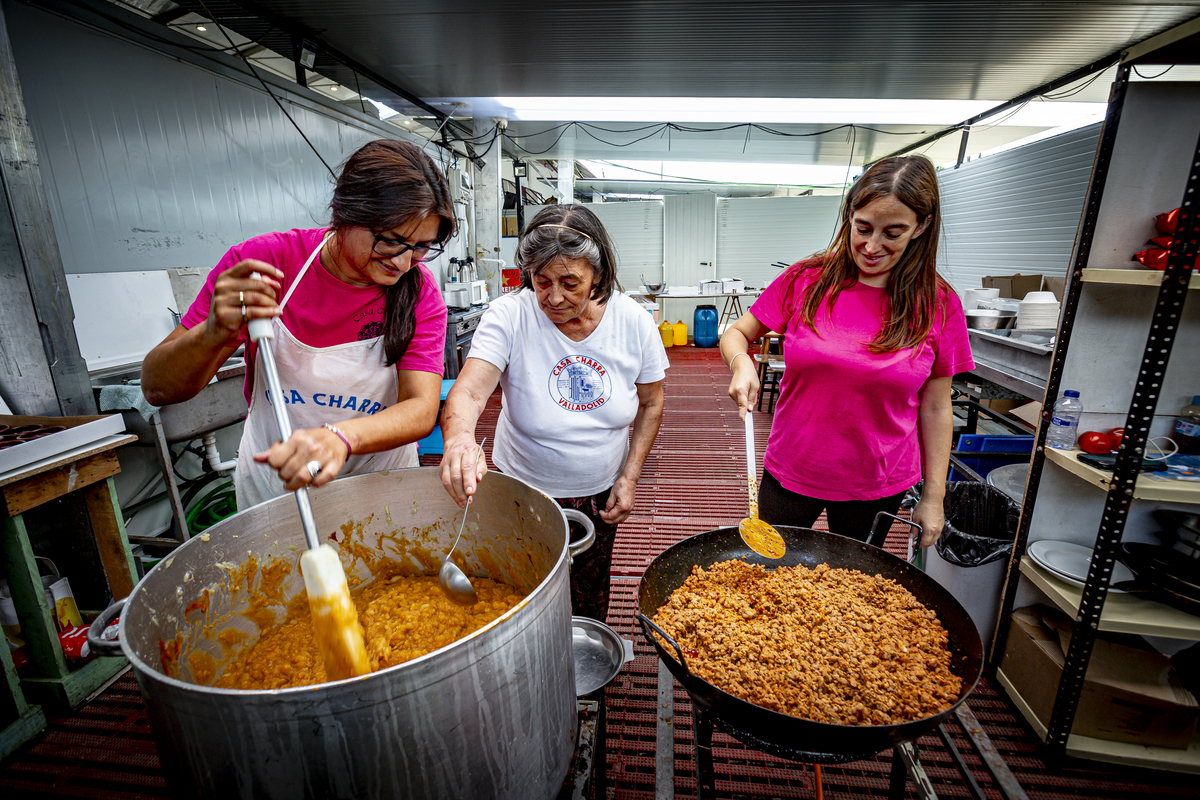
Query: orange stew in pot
(403, 617)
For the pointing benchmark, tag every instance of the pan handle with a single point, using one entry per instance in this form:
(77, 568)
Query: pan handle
(877, 537)
(103, 646)
(647, 625)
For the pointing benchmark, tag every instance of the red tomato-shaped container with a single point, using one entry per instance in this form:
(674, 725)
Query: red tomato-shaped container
(1095, 442)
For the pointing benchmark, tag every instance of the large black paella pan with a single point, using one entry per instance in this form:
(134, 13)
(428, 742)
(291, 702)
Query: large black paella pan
(783, 734)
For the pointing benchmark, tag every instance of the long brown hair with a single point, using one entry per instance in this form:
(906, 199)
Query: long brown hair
(914, 282)
(384, 185)
(569, 231)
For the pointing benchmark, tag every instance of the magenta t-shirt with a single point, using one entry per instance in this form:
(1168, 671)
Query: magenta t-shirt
(324, 311)
(845, 424)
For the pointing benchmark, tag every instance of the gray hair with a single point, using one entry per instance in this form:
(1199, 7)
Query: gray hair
(569, 232)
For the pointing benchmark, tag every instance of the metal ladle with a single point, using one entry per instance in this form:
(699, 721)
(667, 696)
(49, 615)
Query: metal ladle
(454, 581)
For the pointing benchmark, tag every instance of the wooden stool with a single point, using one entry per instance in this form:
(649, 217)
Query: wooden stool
(770, 368)
(87, 470)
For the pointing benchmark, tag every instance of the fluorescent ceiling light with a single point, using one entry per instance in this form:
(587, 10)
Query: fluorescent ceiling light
(723, 172)
(835, 111)
(385, 112)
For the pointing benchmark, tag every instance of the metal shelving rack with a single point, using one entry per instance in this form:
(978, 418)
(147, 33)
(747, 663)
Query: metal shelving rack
(1093, 608)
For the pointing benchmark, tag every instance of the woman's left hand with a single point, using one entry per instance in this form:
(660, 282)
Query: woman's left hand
(931, 516)
(291, 458)
(620, 501)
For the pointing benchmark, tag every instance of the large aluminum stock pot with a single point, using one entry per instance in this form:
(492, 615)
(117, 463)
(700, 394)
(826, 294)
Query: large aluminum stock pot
(490, 716)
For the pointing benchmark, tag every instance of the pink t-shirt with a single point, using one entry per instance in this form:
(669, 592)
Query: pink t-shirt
(324, 311)
(845, 423)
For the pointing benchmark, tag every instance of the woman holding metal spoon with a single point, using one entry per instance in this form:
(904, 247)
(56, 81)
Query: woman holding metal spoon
(359, 329)
(578, 362)
(872, 338)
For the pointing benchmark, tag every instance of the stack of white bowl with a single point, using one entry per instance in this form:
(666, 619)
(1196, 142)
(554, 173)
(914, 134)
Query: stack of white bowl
(1038, 310)
(971, 297)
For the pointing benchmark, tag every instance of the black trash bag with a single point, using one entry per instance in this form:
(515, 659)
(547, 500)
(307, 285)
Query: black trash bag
(981, 522)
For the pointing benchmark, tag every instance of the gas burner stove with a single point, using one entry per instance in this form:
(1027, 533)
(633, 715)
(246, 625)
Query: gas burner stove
(460, 327)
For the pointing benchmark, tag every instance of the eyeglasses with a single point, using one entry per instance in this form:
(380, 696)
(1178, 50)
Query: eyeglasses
(390, 248)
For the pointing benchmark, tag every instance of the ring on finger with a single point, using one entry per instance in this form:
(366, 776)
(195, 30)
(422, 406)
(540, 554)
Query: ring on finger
(314, 468)
(242, 298)
(243, 312)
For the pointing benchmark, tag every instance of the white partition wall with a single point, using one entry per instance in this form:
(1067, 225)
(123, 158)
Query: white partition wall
(754, 232)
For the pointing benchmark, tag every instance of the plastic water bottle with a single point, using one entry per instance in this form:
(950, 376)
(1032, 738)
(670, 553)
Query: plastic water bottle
(1187, 428)
(1065, 421)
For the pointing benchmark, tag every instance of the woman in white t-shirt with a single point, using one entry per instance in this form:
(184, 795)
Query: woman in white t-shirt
(578, 362)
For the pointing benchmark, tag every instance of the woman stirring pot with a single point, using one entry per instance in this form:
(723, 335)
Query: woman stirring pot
(578, 361)
(873, 337)
(359, 329)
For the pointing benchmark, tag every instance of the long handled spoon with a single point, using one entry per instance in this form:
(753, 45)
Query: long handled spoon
(761, 537)
(454, 582)
(335, 620)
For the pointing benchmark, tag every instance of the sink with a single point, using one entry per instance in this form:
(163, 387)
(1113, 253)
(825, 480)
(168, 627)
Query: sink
(218, 404)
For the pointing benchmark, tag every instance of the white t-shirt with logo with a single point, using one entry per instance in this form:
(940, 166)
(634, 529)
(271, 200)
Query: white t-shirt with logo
(567, 406)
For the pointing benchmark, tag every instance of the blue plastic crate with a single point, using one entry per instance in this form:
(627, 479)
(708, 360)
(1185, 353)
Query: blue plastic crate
(980, 443)
(433, 442)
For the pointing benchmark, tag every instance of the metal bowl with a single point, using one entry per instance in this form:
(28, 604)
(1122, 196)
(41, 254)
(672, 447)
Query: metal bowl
(989, 319)
(655, 288)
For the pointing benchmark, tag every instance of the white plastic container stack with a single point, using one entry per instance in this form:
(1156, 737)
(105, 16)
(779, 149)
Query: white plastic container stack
(1038, 310)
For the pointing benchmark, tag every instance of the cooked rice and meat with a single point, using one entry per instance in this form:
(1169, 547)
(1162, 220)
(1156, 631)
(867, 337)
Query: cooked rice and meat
(830, 645)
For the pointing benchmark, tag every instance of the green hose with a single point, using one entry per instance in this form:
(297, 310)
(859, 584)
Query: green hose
(219, 503)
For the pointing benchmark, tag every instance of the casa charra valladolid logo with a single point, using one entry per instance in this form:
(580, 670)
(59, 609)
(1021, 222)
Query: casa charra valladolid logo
(580, 383)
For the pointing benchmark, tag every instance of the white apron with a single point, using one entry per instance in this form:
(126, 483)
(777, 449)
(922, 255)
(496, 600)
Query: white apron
(321, 384)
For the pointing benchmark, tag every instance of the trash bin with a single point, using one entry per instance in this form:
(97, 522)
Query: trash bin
(972, 553)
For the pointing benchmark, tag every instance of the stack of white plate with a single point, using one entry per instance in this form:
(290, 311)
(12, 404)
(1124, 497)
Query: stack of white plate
(1070, 562)
(1038, 310)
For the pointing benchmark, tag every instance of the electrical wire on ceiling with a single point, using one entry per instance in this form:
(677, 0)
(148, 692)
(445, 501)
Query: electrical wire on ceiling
(1065, 93)
(663, 176)
(236, 51)
(267, 89)
(659, 128)
(1152, 77)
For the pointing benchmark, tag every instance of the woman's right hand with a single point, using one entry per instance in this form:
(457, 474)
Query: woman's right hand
(461, 471)
(239, 297)
(744, 386)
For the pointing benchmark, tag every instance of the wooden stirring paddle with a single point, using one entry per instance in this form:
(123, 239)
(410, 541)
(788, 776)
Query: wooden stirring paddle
(335, 620)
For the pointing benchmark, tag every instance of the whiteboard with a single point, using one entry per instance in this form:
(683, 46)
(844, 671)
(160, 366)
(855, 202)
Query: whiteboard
(120, 316)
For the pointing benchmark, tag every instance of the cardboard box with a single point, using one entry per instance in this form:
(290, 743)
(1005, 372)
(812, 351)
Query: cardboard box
(710, 287)
(1030, 414)
(1014, 286)
(732, 285)
(1001, 405)
(1050, 283)
(1130, 694)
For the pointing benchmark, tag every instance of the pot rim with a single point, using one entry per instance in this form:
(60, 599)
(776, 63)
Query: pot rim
(143, 668)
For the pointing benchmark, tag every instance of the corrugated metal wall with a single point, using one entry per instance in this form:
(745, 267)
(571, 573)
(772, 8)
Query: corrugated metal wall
(1015, 211)
(754, 232)
(151, 163)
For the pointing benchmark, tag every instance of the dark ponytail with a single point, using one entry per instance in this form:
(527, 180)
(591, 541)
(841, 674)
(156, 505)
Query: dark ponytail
(384, 185)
